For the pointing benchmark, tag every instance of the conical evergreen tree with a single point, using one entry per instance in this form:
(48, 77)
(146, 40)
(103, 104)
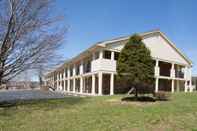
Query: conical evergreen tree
(135, 64)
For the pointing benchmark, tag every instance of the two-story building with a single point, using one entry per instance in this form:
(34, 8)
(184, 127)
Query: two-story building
(93, 72)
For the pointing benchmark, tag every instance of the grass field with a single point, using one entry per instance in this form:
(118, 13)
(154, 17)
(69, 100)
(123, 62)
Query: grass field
(105, 113)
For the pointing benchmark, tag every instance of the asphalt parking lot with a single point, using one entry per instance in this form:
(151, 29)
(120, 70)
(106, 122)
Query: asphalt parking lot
(29, 95)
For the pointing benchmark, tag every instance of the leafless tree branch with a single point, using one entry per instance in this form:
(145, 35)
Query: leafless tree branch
(29, 36)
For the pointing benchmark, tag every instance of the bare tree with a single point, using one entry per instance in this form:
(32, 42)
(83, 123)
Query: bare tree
(29, 36)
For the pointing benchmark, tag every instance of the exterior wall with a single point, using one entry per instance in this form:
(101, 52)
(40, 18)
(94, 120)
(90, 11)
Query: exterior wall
(157, 45)
(91, 82)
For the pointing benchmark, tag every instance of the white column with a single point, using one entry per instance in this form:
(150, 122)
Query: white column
(74, 81)
(172, 71)
(157, 63)
(68, 82)
(112, 84)
(93, 84)
(157, 73)
(74, 70)
(101, 54)
(81, 85)
(112, 55)
(172, 86)
(100, 82)
(60, 82)
(81, 68)
(60, 79)
(64, 79)
(81, 78)
(68, 85)
(186, 86)
(156, 84)
(186, 73)
(157, 70)
(172, 75)
(57, 80)
(74, 85)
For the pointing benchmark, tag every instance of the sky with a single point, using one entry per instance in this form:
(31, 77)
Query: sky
(91, 21)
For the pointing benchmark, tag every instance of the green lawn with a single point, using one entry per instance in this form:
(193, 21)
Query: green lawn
(105, 113)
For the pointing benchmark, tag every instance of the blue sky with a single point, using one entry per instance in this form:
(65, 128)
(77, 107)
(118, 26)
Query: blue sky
(90, 21)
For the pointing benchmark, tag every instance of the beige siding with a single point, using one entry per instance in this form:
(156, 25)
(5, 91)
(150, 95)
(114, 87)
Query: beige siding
(159, 48)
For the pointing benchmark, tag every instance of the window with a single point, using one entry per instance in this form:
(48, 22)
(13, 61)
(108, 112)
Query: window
(66, 73)
(59, 76)
(71, 71)
(55, 76)
(116, 55)
(62, 75)
(77, 70)
(87, 66)
(107, 55)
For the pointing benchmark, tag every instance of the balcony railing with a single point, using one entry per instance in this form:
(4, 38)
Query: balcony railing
(179, 74)
(103, 65)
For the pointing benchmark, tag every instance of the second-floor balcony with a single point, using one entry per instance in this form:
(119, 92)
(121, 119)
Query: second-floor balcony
(103, 65)
(170, 70)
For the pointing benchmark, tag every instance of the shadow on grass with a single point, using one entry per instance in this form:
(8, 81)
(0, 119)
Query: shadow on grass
(6, 104)
(139, 99)
(11, 108)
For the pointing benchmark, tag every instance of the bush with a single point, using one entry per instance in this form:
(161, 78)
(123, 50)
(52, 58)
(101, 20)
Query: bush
(162, 96)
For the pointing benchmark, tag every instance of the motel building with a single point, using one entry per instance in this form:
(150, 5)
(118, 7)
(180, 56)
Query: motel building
(93, 72)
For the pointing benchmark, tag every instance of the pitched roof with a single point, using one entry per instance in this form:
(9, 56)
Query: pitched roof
(106, 42)
(143, 35)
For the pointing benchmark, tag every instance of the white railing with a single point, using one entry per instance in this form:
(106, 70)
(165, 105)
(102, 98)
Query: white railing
(103, 65)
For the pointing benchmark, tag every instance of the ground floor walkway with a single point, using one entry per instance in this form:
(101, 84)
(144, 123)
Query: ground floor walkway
(107, 83)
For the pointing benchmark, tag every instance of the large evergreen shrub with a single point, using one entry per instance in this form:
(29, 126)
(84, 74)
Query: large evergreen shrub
(136, 66)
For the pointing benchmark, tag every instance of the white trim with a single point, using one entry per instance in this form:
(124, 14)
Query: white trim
(100, 83)
(112, 84)
(173, 45)
(93, 84)
(170, 78)
(172, 86)
(157, 84)
(104, 43)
